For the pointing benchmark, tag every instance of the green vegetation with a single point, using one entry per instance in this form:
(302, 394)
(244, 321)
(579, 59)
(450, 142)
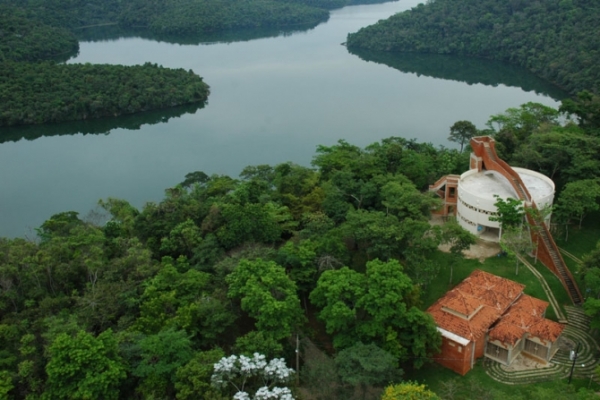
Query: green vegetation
(533, 136)
(33, 31)
(555, 39)
(185, 16)
(177, 16)
(339, 254)
(36, 93)
(23, 39)
(228, 266)
(478, 385)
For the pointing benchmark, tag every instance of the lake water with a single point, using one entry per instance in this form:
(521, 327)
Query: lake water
(273, 99)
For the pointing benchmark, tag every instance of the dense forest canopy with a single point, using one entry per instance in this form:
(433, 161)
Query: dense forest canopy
(38, 30)
(178, 16)
(556, 39)
(36, 93)
(131, 303)
(25, 39)
(340, 253)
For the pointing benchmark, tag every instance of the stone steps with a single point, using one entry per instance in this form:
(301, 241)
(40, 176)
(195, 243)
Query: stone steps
(578, 318)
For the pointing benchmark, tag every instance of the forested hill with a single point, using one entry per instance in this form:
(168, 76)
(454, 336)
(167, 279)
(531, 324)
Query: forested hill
(36, 93)
(556, 39)
(179, 16)
(25, 39)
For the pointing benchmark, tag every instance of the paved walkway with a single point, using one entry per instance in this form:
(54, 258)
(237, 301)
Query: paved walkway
(575, 333)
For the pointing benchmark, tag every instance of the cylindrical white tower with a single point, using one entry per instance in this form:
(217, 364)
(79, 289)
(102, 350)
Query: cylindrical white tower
(476, 199)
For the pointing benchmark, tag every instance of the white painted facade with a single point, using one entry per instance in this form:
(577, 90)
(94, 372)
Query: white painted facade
(476, 199)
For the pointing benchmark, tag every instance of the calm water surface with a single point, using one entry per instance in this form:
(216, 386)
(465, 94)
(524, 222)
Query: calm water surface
(272, 100)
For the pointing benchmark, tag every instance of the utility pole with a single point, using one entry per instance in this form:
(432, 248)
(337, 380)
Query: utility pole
(574, 358)
(297, 360)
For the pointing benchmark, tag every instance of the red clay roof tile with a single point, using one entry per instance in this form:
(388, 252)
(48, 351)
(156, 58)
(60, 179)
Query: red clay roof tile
(481, 299)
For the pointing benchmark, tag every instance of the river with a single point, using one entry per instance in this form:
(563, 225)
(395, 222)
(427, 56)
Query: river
(273, 99)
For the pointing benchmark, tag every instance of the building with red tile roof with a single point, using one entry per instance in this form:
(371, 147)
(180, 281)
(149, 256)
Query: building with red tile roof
(486, 315)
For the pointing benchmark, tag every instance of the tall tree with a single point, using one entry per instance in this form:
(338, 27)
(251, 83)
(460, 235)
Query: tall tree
(364, 365)
(579, 198)
(459, 240)
(461, 132)
(193, 379)
(84, 367)
(161, 355)
(510, 212)
(268, 295)
(516, 241)
(376, 307)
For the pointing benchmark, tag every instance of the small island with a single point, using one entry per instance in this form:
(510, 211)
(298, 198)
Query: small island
(37, 93)
(36, 88)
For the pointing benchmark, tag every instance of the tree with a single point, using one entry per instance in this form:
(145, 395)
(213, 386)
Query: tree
(509, 212)
(252, 222)
(364, 365)
(376, 234)
(268, 295)
(254, 374)
(319, 374)
(6, 384)
(337, 294)
(300, 260)
(183, 240)
(516, 242)
(84, 367)
(193, 379)
(590, 270)
(459, 240)
(402, 199)
(168, 297)
(586, 106)
(592, 309)
(579, 198)
(258, 342)
(122, 214)
(523, 121)
(161, 355)
(376, 307)
(461, 132)
(196, 177)
(408, 391)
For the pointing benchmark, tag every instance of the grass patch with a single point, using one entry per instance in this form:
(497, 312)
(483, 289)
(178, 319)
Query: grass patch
(581, 241)
(477, 384)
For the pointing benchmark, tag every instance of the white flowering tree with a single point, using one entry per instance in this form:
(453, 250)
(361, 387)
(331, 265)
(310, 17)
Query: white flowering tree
(246, 374)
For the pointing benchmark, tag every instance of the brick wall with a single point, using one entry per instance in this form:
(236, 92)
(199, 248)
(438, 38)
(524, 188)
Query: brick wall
(455, 356)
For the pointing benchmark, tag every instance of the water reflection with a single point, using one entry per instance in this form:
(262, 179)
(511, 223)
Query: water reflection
(114, 32)
(97, 126)
(463, 69)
